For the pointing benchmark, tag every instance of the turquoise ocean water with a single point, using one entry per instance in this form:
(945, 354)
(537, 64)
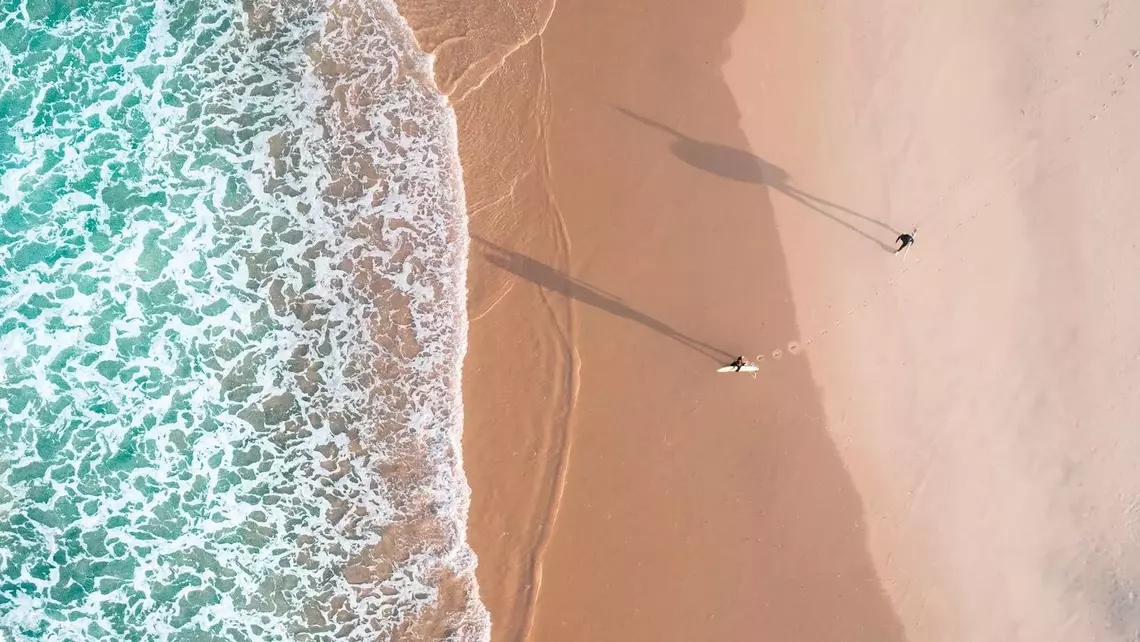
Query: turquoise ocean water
(231, 323)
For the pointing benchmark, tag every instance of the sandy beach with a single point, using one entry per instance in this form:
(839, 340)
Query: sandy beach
(621, 489)
(934, 447)
(979, 391)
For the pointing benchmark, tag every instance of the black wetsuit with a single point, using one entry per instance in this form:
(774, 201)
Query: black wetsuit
(738, 364)
(906, 240)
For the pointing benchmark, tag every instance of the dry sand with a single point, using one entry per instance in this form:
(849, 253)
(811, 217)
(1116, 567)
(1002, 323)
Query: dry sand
(653, 184)
(985, 391)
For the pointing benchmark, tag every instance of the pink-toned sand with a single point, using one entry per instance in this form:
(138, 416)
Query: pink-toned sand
(983, 392)
(937, 447)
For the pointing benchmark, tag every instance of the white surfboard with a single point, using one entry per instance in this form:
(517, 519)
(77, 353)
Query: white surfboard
(745, 368)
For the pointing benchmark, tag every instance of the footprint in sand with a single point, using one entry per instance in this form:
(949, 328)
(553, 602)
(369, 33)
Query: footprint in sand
(794, 347)
(777, 354)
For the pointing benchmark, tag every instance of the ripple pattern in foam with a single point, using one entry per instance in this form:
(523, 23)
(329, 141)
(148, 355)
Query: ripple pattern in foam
(232, 254)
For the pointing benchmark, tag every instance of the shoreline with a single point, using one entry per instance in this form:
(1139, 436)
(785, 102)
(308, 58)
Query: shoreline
(518, 385)
(633, 171)
(553, 153)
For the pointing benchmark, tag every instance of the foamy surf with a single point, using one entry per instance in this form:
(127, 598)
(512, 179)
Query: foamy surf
(232, 248)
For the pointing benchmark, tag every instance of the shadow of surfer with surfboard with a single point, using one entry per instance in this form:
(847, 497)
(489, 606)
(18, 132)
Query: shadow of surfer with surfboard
(551, 279)
(746, 167)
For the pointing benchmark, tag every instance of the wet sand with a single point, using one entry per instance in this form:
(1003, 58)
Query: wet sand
(621, 489)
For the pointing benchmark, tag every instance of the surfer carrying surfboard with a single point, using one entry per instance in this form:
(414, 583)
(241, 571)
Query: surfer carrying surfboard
(906, 240)
(740, 365)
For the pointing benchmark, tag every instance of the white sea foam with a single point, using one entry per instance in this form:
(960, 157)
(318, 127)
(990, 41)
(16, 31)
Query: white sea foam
(232, 267)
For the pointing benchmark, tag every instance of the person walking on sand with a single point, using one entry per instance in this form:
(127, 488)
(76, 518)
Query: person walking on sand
(906, 240)
(738, 364)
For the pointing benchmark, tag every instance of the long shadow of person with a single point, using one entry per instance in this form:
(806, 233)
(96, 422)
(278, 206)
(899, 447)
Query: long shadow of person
(743, 166)
(547, 277)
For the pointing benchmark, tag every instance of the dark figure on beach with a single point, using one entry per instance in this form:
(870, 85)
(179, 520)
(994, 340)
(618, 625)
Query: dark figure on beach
(906, 240)
(738, 364)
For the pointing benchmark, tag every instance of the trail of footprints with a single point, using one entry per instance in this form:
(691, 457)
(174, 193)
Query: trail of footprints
(796, 347)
